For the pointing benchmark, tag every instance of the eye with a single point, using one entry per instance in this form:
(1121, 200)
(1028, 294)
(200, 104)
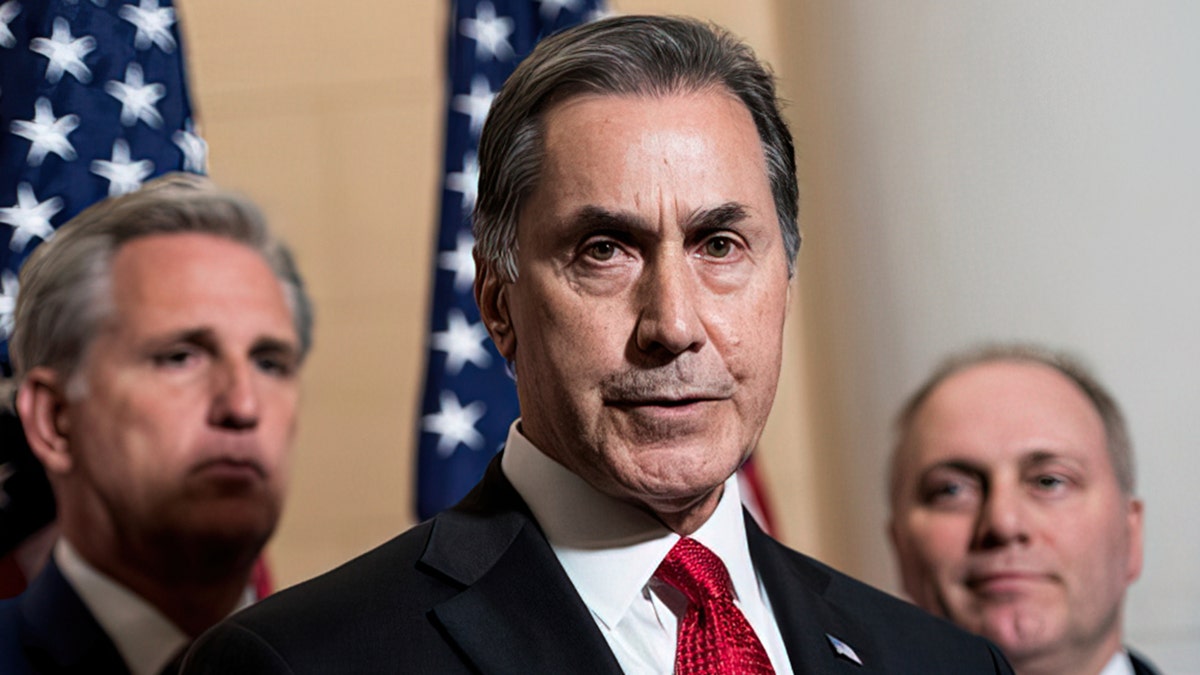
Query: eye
(949, 492)
(1049, 482)
(718, 247)
(602, 250)
(278, 365)
(176, 357)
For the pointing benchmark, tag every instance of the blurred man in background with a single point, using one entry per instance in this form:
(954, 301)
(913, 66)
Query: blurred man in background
(1013, 509)
(157, 345)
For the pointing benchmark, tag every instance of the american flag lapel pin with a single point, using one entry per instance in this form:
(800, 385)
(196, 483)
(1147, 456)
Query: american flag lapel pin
(843, 650)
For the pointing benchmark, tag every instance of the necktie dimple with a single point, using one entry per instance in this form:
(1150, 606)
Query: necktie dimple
(714, 636)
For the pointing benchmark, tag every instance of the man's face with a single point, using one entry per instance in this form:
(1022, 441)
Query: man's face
(646, 321)
(1008, 518)
(182, 436)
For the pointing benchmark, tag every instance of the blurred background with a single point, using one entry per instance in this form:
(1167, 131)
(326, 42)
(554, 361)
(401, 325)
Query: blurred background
(969, 172)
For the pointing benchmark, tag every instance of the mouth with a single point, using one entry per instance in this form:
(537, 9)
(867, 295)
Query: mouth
(230, 469)
(1005, 583)
(666, 404)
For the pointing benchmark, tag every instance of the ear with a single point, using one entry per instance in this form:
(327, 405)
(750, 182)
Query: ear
(1136, 518)
(42, 405)
(491, 294)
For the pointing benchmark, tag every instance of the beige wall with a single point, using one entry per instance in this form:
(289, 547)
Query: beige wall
(329, 115)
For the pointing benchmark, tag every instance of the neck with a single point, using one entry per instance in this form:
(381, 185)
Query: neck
(193, 607)
(686, 520)
(1076, 662)
(193, 596)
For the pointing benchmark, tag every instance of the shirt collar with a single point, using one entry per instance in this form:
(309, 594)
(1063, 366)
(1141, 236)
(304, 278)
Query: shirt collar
(146, 639)
(609, 548)
(1119, 664)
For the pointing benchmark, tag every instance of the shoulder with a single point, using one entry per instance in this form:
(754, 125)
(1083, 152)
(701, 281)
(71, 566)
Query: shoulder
(356, 609)
(896, 620)
(49, 629)
(889, 631)
(1141, 665)
(12, 658)
(351, 588)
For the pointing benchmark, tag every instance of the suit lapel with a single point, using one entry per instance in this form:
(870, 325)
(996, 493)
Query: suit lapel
(59, 632)
(518, 612)
(806, 620)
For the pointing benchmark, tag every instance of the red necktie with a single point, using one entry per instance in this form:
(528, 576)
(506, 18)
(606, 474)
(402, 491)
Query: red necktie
(714, 636)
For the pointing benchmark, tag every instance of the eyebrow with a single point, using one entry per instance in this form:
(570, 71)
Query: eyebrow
(1039, 457)
(1031, 459)
(207, 338)
(725, 215)
(596, 218)
(960, 465)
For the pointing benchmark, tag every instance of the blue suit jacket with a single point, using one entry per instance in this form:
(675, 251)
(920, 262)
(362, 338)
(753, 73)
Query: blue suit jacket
(48, 629)
(478, 589)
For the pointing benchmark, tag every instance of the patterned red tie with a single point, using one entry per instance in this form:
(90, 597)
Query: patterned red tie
(714, 636)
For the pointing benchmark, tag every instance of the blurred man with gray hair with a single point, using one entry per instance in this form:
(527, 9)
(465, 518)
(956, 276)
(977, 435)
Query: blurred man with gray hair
(157, 345)
(1013, 508)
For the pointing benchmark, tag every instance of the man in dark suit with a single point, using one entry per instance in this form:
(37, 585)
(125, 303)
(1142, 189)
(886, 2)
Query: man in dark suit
(1013, 508)
(635, 241)
(157, 345)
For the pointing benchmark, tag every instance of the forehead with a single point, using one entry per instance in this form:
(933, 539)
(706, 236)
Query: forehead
(625, 147)
(1002, 412)
(163, 279)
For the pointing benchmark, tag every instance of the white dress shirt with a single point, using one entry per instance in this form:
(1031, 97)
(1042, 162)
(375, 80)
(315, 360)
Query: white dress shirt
(611, 549)
(146, 639)
(1119, 664)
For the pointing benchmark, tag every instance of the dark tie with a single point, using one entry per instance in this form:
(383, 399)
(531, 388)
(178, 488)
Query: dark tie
(714, 636)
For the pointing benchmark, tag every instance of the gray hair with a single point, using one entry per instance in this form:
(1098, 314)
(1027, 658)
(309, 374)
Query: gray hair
(1116, 432)
(625, 55)
(64, 284)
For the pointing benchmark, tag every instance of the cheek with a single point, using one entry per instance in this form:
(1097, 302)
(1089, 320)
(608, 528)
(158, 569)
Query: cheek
(279, 426)
(939, 545)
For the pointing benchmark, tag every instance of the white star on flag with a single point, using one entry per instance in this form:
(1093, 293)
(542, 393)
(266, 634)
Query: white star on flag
(153, 24)
(476, 104)
(47, 133)
(195, 149)
(460, 261)
(462, 341)
(8, 12)
(30, 217)
(65, 52)
(466, 181)
(454, 424)
(489, 32)
(138, 99)
(551, 8)
(8, 302)
(123, 174)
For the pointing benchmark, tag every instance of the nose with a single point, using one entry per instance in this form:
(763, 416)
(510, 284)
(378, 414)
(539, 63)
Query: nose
(669, 321)
(1002, 519)
(235, 403)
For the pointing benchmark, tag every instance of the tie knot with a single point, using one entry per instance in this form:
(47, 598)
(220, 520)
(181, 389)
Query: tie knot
(696, 572)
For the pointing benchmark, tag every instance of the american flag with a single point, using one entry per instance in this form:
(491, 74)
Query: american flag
(469, 399)
(93, 101)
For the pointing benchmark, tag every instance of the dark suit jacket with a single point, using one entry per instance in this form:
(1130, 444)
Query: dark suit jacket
(478, 589)
(1140, 665)
(48, 629)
